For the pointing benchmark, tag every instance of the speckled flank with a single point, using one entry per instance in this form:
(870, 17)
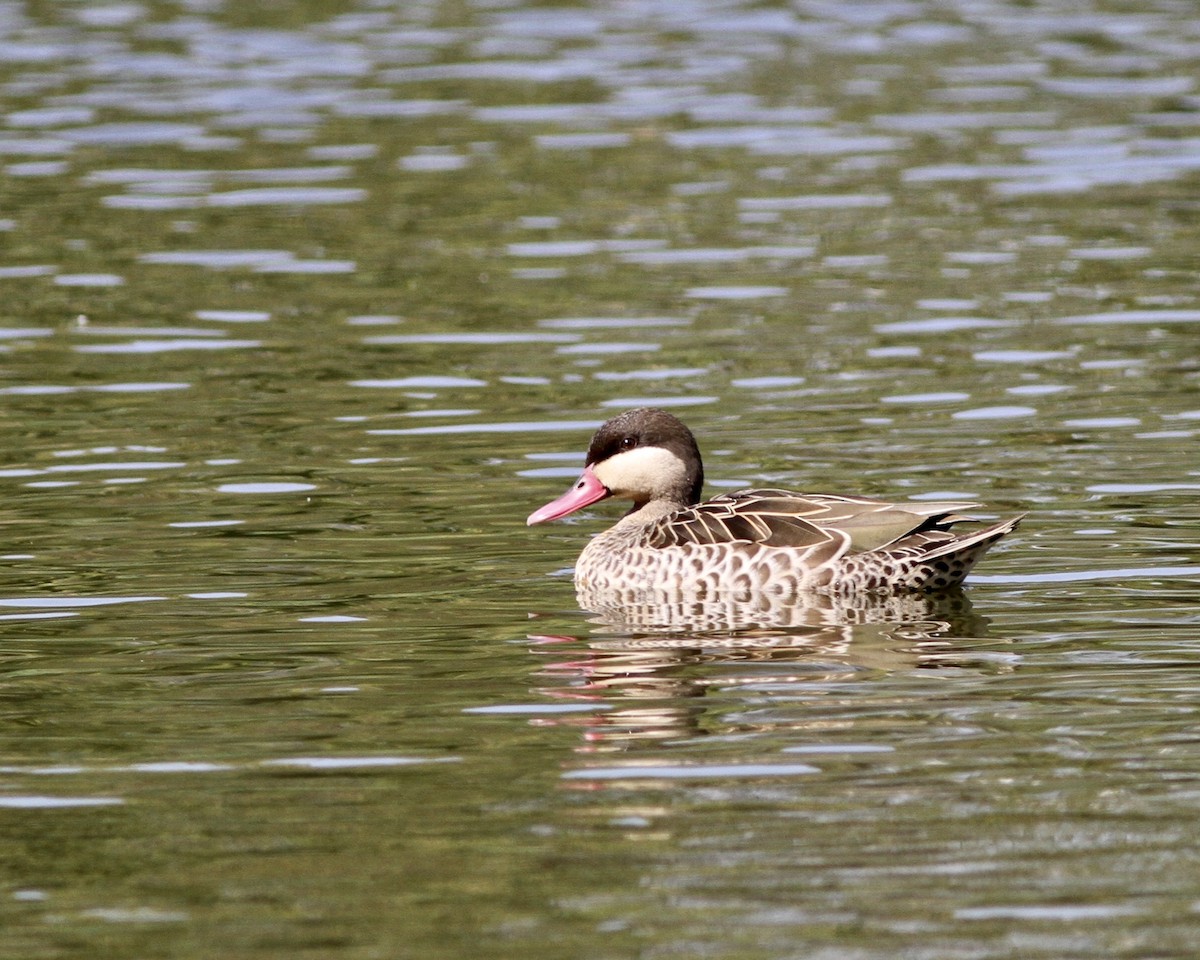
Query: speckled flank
(915, 570)
(619, 560)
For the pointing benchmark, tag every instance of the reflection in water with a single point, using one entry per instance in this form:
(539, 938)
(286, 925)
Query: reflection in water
(671, 610)
(649, 666)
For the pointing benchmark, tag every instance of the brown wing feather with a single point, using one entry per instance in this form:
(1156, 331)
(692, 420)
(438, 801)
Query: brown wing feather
(733, 518)
(783, 518)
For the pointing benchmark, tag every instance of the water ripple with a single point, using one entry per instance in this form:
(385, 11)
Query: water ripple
(165, 346)
(612, 323)
(217, 259)
(266, 487)
(717, 255)
(735, 292)
(58, 603)
(21, 271)
(1000, 412)
(942, 325)
(38, 802)
(403, 383)
(548, 426)
(483, 339)
(286, 196)
(133, 133)
(691, 771)
(625, 403)
(1132, 316)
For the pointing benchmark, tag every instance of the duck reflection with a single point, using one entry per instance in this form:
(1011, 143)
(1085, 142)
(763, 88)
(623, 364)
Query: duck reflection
(767, 613)
(648, 663)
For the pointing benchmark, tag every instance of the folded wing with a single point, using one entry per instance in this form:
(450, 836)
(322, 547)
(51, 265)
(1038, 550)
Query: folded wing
(782, 518)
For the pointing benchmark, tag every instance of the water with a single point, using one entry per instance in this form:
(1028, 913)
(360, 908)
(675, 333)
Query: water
(305, 308)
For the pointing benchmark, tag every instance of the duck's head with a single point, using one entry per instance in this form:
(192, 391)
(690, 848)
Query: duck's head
(643, 455)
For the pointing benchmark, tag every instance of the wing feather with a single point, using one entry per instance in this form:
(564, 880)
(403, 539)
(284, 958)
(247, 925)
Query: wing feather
(782, 518)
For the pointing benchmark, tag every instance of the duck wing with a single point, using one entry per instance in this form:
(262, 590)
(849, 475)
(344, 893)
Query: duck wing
(769, 517)
(873, 524)
(784, 518)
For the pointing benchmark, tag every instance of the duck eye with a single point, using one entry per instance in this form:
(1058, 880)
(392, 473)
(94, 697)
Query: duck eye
(628, 443)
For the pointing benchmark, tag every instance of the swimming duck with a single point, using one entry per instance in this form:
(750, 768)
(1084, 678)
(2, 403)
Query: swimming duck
(760, 542)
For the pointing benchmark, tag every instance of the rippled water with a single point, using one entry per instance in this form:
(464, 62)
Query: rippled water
(305, 307)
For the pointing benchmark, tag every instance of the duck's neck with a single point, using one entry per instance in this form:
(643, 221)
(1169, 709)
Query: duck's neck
(641, 515)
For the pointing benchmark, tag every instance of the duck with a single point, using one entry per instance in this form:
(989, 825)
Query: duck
(755, 542)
